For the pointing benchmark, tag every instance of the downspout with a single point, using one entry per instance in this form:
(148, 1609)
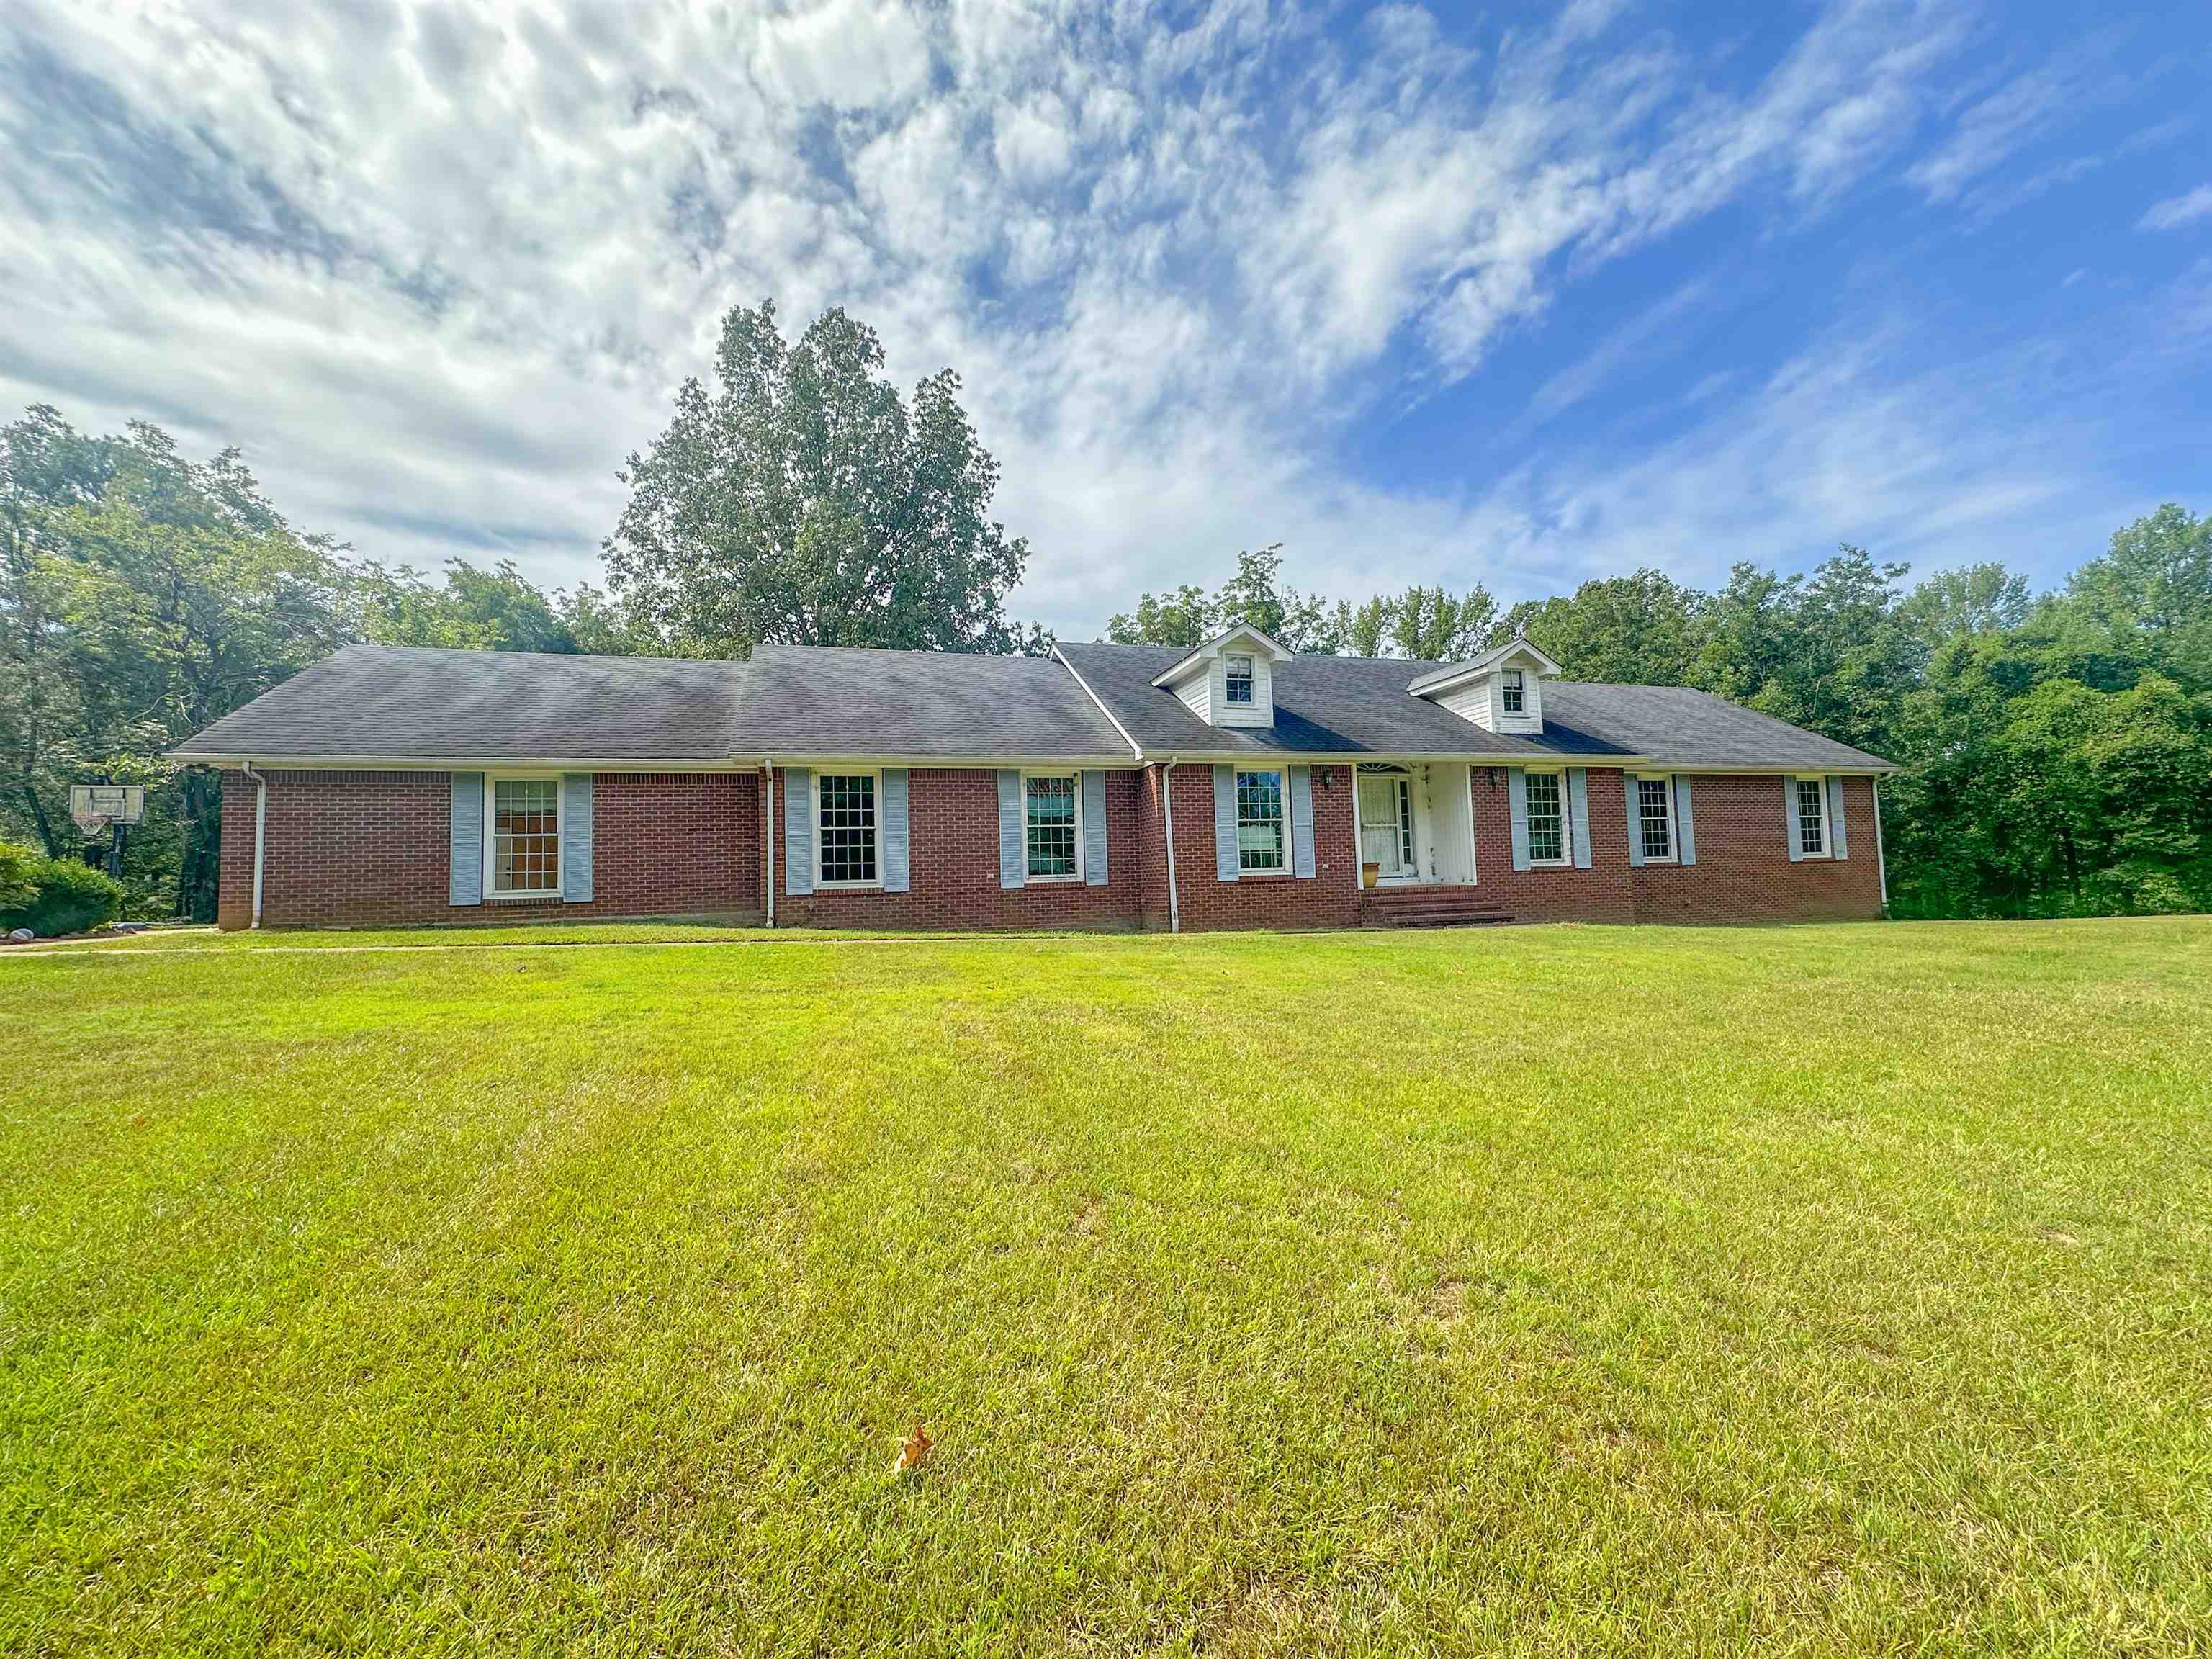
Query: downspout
(1167, 811)
(1881, 859)
(768, 764)
(260, 833)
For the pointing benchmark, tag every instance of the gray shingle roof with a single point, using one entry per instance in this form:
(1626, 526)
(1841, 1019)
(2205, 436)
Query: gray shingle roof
(371, 702)
(811, 700)
(1357, 705)
(383, 701)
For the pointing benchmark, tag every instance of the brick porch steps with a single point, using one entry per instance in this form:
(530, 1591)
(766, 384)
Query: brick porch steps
(1431, 907)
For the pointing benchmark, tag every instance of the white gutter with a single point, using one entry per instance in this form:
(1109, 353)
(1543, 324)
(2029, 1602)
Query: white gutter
(1881, 858)
(260, 833)
(1167, 808)
(767, 793)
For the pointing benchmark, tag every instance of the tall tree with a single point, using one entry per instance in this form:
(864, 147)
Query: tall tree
(803, 501)
(1640, 629)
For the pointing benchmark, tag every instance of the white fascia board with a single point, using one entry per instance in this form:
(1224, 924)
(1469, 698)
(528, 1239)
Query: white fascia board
(459, 763)
(1459, 674)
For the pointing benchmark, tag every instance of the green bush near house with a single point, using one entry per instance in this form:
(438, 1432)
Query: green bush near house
(54, 897)
(1825, 1290)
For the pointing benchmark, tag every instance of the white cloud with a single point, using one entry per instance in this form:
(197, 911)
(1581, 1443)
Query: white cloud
(438, 270)
(2178, 211)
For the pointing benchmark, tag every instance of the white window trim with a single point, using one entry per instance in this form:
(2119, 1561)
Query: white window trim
(1566, 858)
(1075, 779)
(1796, 818)
(1666, 782)
(1281, 774)
(1506, 688)
(874, 884)
(1251, 677)
(492, 890)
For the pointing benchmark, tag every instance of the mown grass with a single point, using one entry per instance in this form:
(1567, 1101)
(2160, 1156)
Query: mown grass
(1823, 1291)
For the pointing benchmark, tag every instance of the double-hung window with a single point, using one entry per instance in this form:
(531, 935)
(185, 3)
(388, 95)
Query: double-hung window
(1052, 829)
(846, 802)
(1259, 844)
(1516, 692)
(1654, 819)
(1812, 795)
(1237, 680)
(1547, 818)
(522, 854)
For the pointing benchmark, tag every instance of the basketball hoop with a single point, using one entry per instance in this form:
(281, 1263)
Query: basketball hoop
(92, 804)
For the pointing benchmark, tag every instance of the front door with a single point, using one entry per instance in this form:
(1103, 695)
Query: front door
(1386, 823)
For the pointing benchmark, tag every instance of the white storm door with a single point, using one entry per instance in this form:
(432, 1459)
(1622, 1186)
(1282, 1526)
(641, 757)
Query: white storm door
(1381, 843)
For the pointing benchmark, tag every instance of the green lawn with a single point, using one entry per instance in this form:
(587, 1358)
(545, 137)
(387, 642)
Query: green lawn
(1837, 1290)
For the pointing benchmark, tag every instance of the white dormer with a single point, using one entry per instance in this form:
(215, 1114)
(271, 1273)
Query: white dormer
(1500, 691)
(1231, 679)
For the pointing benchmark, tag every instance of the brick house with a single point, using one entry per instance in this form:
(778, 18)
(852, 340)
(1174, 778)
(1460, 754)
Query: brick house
(1232, 785)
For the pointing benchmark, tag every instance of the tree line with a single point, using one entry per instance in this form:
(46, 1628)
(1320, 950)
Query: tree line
(2058, 746)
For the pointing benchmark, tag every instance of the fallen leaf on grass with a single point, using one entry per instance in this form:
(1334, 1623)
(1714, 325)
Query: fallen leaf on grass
(911, 1450)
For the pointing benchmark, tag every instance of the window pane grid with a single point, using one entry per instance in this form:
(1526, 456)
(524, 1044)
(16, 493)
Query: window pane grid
(1259, 820)
(1653, 819)
(1051, 820)
(1812, 820)
(1547, 838)
(1516, 692)
(849, 829)
(525, 836)
(1240, 679)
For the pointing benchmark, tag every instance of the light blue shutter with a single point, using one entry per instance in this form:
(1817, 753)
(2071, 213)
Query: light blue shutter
(1789, 819)
(798, 831)
(1302, 827)
(1838, 843)
(464, 850)
(1224, 822)
(576, 837)
(1578, 793)
(1516, 798)
(1010, 861)
(893, 829)
(1094, 829)
(1632, 791)
(1686, 825)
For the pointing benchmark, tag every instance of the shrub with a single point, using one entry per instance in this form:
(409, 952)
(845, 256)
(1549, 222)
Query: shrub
(67, 896)
(19, 868)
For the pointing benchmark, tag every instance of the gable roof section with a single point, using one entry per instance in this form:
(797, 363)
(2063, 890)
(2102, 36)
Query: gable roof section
(1447, 675)
(1323, 706)
(403, 702)
(1277, 652)
(398, 705)
(1361, 705)
(817, 701)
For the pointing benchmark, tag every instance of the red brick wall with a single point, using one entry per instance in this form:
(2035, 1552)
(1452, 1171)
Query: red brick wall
(1743, 871)
(952, 856)
(366, 848)
(351, 850)
(1329, 899)
(1601, 893)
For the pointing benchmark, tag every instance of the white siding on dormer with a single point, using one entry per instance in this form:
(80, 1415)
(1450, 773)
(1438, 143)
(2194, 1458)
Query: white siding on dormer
(1261, 711)
(1472, 702)
(1531, 717)
(1197, 694)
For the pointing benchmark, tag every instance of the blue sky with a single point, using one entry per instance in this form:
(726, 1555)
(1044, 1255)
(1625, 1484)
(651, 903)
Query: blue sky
(1515, 296)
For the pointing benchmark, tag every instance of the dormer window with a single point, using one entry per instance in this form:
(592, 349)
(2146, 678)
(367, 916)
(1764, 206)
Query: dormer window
(1238, 682)
(1231, 680)
(1516, 692)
